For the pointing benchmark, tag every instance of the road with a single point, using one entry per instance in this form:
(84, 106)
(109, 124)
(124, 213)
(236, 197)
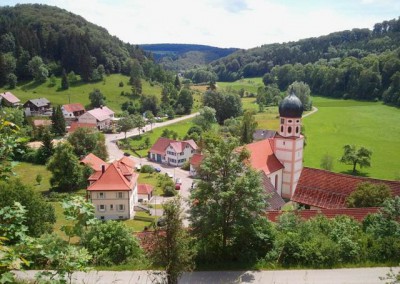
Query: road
(323, 276)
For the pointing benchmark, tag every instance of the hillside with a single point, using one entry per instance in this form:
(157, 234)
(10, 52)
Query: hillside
(63, 40)
(179, 57)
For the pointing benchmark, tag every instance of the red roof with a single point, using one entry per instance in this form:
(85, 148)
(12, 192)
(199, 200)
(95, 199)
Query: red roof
(262, 156)
(128, 162)
(75, 125)
(145, 188)
(161, 144)
(357, 213)
(196, 159)
(113, 179)
(94, 162)
(10, 97)
(74, 107)
(42, 122)
(326, 189)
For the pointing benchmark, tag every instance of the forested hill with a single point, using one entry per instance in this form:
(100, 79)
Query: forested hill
(357, 43)
(185, 56)
(62, 40)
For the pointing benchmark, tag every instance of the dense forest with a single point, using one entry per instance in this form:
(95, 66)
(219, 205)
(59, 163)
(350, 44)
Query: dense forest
(359, 64)
(179, 57)
(57, 40)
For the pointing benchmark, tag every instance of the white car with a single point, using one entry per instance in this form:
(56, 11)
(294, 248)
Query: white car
(178, 181)
(169, 175)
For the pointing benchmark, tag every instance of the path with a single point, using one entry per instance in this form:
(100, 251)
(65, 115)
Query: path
(314, 110)
(303, 276)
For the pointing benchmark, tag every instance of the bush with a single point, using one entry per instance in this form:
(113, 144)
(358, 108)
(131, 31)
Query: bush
(111, 243)
(167, 185)
(147, 169)
(186, 166)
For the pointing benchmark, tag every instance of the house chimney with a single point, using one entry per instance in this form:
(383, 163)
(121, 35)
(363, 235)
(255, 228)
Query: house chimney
(103, 168)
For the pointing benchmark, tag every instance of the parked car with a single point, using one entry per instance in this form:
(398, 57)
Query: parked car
(157, 169)
(161, 222)
(138, 167)
(177, 186)
(169, 175)
(126, 154)
(178, 181)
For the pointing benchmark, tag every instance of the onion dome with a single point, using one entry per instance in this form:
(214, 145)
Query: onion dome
(291, 106)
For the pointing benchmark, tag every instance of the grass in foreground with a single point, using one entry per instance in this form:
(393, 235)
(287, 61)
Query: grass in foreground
(27, 173)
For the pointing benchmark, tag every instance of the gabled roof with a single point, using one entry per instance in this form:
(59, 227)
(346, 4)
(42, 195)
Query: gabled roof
(358, 214)
(196, 160)
(101, 113)
(93, 161)
(145, 188)
(74, 107)
(326, 189)
(40, 102)
(274, 200)
(10, 97)
(161, 144)
(75, 125)
(262, 156)
(128, 162)
(113, 179)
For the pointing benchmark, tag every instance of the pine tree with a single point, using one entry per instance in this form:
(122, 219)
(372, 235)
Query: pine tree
(58, 121)
(177, 83)
(64, 81)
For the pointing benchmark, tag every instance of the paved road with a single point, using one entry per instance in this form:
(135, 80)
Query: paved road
(323, 276)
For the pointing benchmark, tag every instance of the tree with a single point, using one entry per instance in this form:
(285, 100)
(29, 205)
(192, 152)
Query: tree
(38, 69)
(96, 98)
(227, 204)
(125, 124)
(226, 105)
(149, 102)
(46, 149)
(368, 195)
(177, 83)
(58, 121)
(247, 127)
(172, 247)
(86, 140)
(111, 243)
(302, 91)
(136, 86)
(150, 118)
(327, 162)
(206, 118)
(67, 173)
(64, 80)
(185, 99)
(40, 217)
(353, 156)
(138, 121)
(12, 80)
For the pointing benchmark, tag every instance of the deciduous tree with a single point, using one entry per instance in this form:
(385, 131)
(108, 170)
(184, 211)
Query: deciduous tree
(96, 98)
(86, 140)
(353, 156)
(368, 195)
(58, 121)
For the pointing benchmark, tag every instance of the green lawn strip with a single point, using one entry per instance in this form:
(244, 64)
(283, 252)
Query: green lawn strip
(27, 173)
(152, 179)
(136, 225)
(248, 84)
(180, 127)
(369, 124)
(79, 92)
(61, 221)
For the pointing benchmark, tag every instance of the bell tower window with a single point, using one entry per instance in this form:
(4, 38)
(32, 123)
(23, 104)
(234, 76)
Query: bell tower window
(297, 130)
(281, 128)
(289, 129)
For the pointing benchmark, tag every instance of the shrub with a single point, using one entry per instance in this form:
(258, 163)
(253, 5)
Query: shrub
(110, 243)
(147, 169)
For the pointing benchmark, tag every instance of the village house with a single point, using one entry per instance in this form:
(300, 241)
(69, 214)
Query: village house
(102, 117)
(195, 162)
(9, 100)
(35, 107)
(75, 125)
(145, 192)
(72, 111)
(113, 189)
(172, 152)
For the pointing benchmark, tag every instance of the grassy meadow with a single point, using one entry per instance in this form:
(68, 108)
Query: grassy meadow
(370, 124)
(248, 84)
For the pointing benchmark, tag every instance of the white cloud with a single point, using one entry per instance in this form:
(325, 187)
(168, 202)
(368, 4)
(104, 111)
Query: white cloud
(227, 23)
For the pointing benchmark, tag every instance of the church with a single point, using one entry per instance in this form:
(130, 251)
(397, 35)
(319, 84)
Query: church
(280, 161)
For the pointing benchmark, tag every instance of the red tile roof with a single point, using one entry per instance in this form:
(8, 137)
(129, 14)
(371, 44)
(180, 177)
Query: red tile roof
(128, 162)
(75, 125)
(94, 162)
(262, 156)
(145, 188)
(161, 144)
(10, 98)
(113, 179)
(196, 159)
(74, 107)
(326, 189)
(357, 213)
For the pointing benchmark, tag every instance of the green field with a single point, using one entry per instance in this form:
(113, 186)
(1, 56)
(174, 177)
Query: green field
(79, 92)
(340, 122)
(249, 84)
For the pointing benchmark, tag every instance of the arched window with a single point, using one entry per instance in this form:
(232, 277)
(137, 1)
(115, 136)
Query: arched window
(282, 128)
(289, 130)
(297, 129)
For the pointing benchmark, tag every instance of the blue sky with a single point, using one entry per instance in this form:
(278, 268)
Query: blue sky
(226, 23)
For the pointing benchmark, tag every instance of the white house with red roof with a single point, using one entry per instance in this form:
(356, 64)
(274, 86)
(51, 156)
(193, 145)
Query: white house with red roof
(72, 111)
(145, 192)
(9, 99)
(172, 152)
(102, 117)
(94, 162)
(113, 189)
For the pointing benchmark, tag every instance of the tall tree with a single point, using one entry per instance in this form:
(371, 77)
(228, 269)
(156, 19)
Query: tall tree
(206, 118)
(67, 173)
(58, 121)
(356, 156)
(46, 150)
(228, 203)
(247, 127)
(125, 124)
(172, 244)
(97, 99)
(177, 83)
(302, 91)
(86, 140)
(138, 121)
(226, 105)
(38, 69)
(368, 195)
(185, 100)
(64, 80)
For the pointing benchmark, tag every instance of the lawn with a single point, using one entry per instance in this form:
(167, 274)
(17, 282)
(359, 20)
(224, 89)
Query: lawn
(79, 92)
(248, 84)
(27, 173)
(181, 128)
(340, 122)
(152, 180)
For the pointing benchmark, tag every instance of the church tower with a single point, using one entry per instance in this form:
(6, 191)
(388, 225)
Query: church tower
(289, 143)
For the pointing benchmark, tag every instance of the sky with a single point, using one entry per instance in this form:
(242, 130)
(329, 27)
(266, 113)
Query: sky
(226, 23)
